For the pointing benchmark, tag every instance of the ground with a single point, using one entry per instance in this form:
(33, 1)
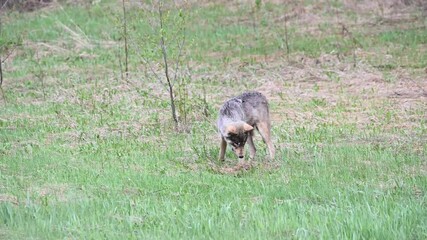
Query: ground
(88, 151)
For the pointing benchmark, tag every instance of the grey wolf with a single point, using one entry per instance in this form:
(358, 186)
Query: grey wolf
(237, 119)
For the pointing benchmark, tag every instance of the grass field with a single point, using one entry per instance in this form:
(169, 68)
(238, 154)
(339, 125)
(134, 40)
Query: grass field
(88, 153)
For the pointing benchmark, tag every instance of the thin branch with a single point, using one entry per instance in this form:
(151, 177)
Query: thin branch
(162, 44)
(1, 66)
(1, 62)
(419, 86)
(8, 54)
(145, 60)
(1, 72)
(40, 74)
(2, 93)
(4, 4)
(126, 39)
(119, 57)
(180, 46)
(286, 38)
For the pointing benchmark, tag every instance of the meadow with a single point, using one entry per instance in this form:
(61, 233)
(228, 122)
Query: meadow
(89, 151)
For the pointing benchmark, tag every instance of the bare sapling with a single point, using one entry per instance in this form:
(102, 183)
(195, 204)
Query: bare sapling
(355, 43)
(287, 37)
(166, 67)
(1, 59)
(125, 37)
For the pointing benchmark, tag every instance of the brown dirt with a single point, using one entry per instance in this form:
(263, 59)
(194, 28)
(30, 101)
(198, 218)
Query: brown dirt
(59, 192)
(35, 5)
(5, 198)
(25, 5)
(289, 83)
(240, 167)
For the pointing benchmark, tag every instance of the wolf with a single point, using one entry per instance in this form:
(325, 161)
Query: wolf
(237, 119)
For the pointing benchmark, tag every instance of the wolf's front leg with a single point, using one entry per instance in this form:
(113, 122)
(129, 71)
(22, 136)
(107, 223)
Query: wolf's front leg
(222, 149)
(252, 149)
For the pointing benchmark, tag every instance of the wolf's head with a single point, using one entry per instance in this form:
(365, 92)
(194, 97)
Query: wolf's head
(236, 134)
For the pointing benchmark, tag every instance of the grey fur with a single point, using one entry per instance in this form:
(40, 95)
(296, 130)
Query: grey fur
(250, 108)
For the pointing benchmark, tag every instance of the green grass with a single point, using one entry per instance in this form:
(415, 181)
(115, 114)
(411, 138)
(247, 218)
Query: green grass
(118, 188)
(85, 154)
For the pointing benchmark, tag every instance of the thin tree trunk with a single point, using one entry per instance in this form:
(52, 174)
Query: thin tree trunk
(1, 62)
(162, 44)
(286, 38)
(125, 35)
(1, 72)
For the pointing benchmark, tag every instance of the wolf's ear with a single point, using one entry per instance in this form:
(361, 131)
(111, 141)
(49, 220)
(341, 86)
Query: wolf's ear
(247, 127)
(231, 129)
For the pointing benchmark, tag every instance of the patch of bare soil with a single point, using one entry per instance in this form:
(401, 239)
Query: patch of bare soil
(6, 198)
(60, 192)
(25, 5)
(34, 5)
(240, 167)
(243, 166)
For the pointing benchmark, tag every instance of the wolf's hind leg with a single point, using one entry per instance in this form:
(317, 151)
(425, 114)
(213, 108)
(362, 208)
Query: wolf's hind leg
(264, 130)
